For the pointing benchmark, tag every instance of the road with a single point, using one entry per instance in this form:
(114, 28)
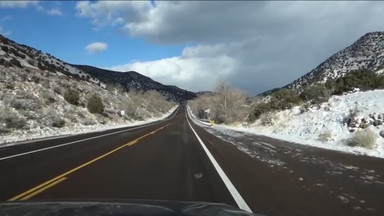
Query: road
(177, 159)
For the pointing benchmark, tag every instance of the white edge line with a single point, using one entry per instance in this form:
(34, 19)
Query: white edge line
(235, 194)
(91, 138)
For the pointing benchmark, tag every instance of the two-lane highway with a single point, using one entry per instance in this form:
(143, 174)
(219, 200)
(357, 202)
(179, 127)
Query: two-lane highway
(177, 159)
(163, 161)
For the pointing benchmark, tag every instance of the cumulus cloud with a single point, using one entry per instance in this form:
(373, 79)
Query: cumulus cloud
(96, 47)
(254, 45)
(112, 12)
(181, 71)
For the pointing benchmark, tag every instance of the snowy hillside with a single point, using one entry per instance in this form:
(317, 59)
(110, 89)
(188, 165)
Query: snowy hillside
(36, 103)
(366, 53)
(14, 54)
(328, 125)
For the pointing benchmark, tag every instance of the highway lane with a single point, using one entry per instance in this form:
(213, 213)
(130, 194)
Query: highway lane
(161, 162)
(25, 147)
(23, 172)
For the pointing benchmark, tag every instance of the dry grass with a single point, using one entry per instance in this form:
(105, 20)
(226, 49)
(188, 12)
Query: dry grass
(363, 138)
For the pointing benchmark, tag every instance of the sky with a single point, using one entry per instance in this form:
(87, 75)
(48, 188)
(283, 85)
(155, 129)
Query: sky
(254, 45)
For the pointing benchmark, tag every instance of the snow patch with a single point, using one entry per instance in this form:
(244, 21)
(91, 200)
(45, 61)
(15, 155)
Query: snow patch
(306, 127)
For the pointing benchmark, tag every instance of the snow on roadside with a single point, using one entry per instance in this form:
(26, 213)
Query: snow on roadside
(306, 127)
(43, 133)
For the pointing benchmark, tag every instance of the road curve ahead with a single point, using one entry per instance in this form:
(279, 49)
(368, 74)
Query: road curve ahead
(163, 161)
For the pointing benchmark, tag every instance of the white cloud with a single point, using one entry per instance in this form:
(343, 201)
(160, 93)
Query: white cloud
(96, 47)
(52, 12)
(268, 43)
(180, 71)
(110, 12)
(17, 4)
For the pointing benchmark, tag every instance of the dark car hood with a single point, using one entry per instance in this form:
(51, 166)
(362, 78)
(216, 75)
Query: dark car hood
(131, 207)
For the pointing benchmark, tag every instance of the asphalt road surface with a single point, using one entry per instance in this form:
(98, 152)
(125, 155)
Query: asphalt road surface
(177, 159)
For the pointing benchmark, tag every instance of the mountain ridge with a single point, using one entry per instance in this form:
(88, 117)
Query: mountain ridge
(20, 55)
(134, 80)
(365, 53)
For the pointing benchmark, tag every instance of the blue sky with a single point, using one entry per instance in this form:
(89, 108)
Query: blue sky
(66, 35)
(254, 45)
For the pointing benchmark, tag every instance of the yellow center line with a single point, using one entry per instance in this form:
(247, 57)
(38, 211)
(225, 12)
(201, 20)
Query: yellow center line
(132, 142)
(51, 181)
(43, 189)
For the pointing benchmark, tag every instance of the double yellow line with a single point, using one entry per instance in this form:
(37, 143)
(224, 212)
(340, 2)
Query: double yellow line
(54, 181)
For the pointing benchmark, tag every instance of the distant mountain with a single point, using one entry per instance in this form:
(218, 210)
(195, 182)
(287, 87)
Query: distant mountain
(366, 53)
(269, 92)
(133, 80)
(14, 54)
(205, 93)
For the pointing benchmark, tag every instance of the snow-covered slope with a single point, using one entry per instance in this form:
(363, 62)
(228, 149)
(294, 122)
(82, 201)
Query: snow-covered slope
(33, 104)
(366, 53)
(12, 53)
(326, 126)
